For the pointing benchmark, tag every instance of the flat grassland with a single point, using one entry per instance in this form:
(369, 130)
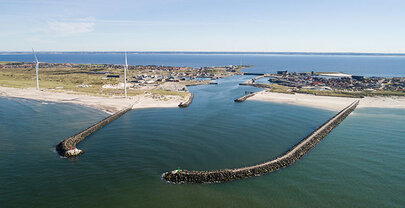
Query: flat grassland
(75, 80)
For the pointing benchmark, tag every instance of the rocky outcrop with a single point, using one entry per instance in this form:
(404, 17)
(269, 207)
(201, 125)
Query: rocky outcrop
(67, 147)
(291, 156)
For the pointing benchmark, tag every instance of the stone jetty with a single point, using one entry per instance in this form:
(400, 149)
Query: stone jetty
(243, 98)
(291, 156)
(68, 148)
(188, 102)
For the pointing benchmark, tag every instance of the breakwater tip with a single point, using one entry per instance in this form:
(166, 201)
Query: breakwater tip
(67, 147)
(73, 152)
(188, 102)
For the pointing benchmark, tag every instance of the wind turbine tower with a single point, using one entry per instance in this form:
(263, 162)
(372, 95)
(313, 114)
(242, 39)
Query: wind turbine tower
(125, 74)
(36, 67)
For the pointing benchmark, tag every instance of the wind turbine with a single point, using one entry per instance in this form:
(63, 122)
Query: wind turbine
(125, 74)
(36, 67)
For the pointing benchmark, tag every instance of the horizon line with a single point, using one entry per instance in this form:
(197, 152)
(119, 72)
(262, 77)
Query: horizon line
(223, 52)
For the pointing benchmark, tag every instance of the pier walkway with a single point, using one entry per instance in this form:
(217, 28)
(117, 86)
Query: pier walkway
(291, 156)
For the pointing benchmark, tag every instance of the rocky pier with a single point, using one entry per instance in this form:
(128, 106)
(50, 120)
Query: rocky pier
(243, 98)
(188, 102)
(67, 147)
(291, 156)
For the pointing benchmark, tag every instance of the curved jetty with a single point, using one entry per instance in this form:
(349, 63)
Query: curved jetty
(188, 102)
(68, 148)
(292, 155)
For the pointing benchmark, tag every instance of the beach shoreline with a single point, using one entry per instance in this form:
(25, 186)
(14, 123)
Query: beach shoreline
(106, 104)
(328, 102)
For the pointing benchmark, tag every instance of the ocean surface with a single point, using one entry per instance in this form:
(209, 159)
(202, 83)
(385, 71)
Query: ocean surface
(360, 164)
(388, 66)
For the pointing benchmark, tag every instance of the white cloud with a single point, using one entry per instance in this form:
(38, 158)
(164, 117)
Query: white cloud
(71, 28)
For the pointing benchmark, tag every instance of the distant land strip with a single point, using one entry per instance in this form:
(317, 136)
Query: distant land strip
(208, 52)
(291, 156)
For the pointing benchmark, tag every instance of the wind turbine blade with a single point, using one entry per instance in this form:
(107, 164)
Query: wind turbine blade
(36, 60)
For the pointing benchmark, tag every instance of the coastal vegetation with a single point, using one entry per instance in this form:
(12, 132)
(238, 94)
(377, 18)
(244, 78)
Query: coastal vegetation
(107, 79)
(279, 88)
(352, 94)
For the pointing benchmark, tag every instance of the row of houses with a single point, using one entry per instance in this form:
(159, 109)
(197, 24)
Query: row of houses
(354, 83)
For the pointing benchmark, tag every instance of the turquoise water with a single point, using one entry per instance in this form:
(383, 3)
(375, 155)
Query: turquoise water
(360, 164)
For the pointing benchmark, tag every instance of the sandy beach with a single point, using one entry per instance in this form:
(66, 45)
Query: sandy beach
(329, 103)
(108, 104)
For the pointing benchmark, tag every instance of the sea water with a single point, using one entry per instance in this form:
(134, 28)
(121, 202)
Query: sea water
(360, 164)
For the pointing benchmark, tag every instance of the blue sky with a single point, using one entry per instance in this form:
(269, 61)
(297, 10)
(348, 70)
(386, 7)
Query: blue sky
(178, 25)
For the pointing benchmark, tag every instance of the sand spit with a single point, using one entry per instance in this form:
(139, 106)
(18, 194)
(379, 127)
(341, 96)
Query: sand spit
(329, 103)
(108, 104)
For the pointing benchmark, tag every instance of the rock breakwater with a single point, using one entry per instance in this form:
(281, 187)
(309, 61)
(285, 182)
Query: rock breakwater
(188, 102)
(67, 147)
(243, 98)
(291, 156)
